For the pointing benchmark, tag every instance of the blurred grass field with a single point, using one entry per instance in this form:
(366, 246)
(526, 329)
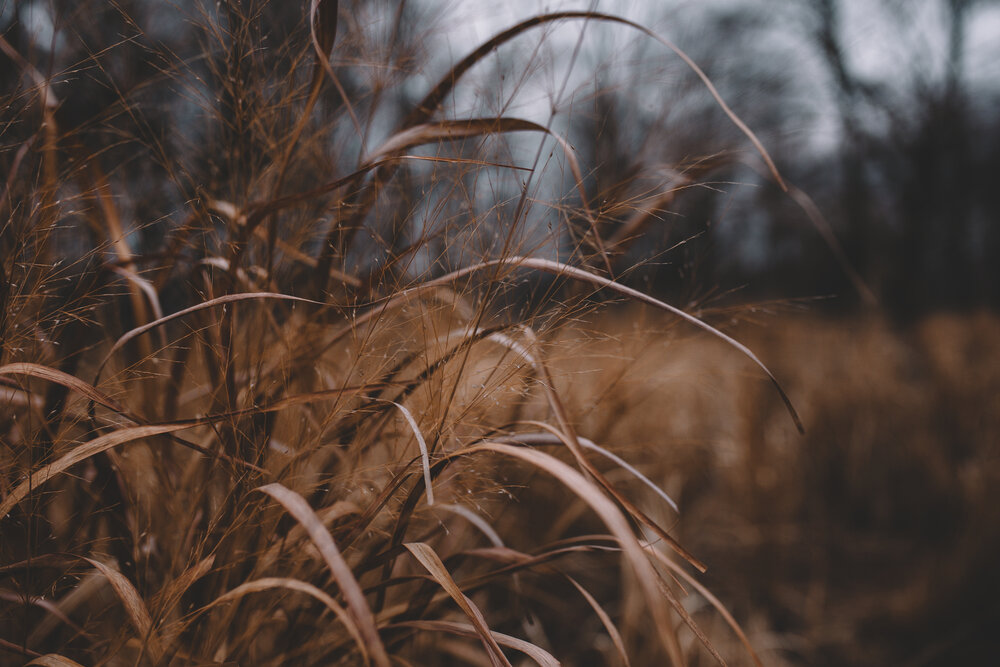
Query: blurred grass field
(873, 538)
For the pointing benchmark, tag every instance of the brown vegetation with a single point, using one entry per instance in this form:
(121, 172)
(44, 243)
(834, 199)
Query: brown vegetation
(268, 404)
(865, 541)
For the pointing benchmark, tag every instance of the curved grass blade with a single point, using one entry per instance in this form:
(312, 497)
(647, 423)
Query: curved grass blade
(270, 583)
(609, 625)
(425, 460)
(211, 303)
(536, 653)
(567, 435)
(616, 522)
(560, 269)
(53, 660)
(477, 521)
(323, 33)
(436, 96)
(822, 226)
(327, 516)
(453, 130)
(320, 536)
(86, 450)
(421, 114)
(17, 648)
(432, 562)
(712, 600)
(132, 601)
(549, 439)
(47, 605)
(65, 379)
(323, 25)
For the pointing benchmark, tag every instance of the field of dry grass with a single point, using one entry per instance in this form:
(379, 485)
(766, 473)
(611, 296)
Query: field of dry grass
(868, 540)
(272, 395)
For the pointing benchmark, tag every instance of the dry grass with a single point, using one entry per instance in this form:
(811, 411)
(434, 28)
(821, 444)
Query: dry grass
(870, 540)
(283, 400)
(264, 426)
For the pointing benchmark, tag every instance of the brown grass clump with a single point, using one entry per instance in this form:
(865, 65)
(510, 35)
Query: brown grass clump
(273, 397)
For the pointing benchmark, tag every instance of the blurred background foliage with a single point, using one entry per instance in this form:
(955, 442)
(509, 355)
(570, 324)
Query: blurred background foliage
(881, 111)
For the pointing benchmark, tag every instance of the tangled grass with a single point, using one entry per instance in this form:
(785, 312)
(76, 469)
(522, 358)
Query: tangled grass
(282, 420)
